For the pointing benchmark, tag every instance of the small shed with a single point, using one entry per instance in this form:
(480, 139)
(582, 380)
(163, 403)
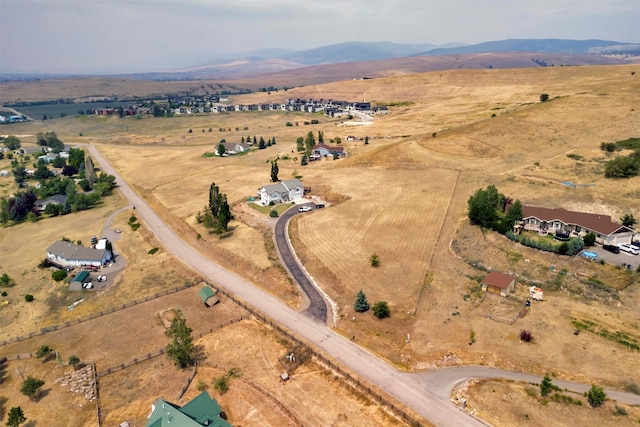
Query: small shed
(208, 296)
(80, 279)
(498, 283)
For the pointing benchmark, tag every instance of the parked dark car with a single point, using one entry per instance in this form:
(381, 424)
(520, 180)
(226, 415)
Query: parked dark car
(320, 205)
(611, 248)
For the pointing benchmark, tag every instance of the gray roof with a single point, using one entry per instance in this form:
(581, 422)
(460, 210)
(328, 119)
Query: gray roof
(70, 251)
(282, 186)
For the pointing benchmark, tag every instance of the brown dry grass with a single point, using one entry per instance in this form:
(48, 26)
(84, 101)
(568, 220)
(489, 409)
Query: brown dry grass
(505, 403)
(397, 197)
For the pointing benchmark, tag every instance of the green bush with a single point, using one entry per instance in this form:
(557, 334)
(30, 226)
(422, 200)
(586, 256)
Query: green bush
(381, 310)
(28, 298)
(153, 251)
(59, 275)
(221, 384)
(273, 213)
(589, 239)
(596, 396)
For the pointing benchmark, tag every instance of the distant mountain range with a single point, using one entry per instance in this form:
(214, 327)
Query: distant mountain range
(265, 61)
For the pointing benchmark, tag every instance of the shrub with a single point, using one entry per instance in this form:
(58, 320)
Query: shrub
(620, 411)
(374, 260)
(273, 213)
(221, 384)
(544, 97)
(43, 351)
(526, 336)
(202, 385)
(74, 360)
(621, 167)
(589, 239)
(381, 310)
(28, 298)
(4, 293)
(596, 396)
(153, 251)
(59, 275)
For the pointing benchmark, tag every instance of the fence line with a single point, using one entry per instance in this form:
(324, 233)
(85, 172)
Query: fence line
(92, 316)
(96, 392)
(191, 377)
(353, 381)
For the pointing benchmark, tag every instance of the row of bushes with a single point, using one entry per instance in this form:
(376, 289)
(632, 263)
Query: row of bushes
(572, 247)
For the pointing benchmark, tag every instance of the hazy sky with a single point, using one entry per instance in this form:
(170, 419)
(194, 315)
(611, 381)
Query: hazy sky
(107, 36)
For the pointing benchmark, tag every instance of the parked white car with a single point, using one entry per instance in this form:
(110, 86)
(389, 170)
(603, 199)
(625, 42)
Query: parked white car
(87, 285)
(629, 249)
(102, 278)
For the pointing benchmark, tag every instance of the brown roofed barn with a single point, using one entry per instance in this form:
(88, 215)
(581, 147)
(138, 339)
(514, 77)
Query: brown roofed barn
(498, 283)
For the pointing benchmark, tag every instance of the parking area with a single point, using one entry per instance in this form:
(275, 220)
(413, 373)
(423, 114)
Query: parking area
(624, 259)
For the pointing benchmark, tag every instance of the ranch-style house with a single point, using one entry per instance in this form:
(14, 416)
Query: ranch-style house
(324, 150)
(67, 254)
(578, 224)
(285, 191)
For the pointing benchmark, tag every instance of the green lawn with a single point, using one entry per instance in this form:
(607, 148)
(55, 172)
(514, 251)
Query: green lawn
(266, 209)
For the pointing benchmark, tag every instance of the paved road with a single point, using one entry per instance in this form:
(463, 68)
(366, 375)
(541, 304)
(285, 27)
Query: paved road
(317, 305)
(425, 393)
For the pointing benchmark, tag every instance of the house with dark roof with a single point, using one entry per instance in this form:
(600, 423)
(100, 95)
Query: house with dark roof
(285, 191)
(498, 283)
(67, 254)
(199, 412)
(545, 220)
(57, 199)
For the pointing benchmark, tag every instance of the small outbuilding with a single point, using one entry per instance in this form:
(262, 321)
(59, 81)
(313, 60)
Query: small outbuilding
(80, 279)
(208, 296)
(499, 283)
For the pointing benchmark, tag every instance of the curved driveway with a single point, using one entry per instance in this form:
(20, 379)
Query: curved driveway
(317, 305)
(425, 393)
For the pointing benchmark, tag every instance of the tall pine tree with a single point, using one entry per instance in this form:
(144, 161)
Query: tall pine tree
(361, 304)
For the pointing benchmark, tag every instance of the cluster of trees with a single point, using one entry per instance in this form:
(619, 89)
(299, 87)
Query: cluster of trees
(622, 166)
(217, 215)
(259, 142)
(20, 207)
(11, 142)
(50, 140)
(380, 309)
(486, 209)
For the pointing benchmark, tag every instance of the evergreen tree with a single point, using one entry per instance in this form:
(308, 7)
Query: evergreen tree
(273, 141)
(300, 144)
(214, 199)
(89, 171)
(224, 215)
(255, 141)
(309, 142)
(546, 386)
(16, 417)
(320, 137)
(274, 171)
(181, 348)
(361, 305)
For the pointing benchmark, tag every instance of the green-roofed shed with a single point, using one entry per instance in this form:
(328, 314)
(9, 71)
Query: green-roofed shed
(201, 411)
(208, 296)
(79, 279)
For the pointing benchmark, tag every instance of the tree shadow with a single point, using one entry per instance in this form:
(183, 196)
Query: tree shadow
(226, 235)
(3, 410)
(42, 393)
(30, 423)
(198, 353)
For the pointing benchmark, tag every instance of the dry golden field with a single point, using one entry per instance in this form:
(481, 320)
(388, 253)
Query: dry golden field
(507, 403)
(404, 197)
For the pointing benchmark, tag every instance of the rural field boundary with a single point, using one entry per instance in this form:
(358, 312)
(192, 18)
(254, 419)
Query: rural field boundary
(99, 314)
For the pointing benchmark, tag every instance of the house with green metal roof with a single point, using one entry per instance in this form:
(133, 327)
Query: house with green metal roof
(208, 296)
(201, 411)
